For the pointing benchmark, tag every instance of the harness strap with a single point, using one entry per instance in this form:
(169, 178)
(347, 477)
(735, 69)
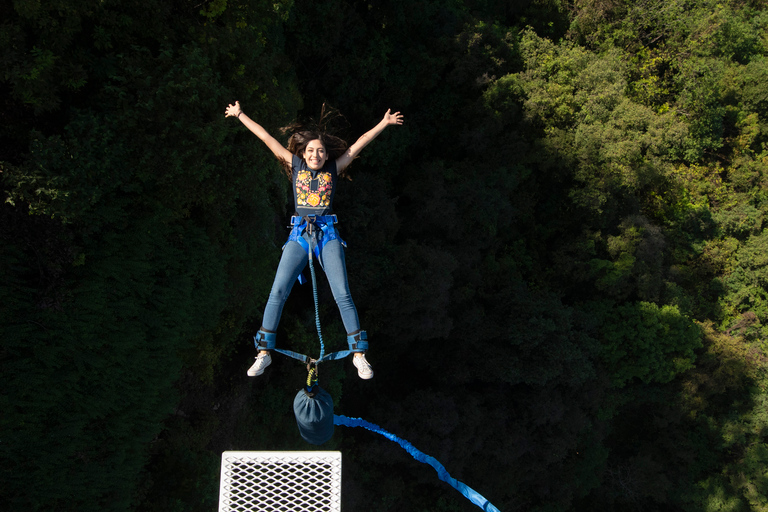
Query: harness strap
(358, 342)
(265, 340)
(333, 356)
(301, 357)
(341, 354)
(297, 220)
(268, 340)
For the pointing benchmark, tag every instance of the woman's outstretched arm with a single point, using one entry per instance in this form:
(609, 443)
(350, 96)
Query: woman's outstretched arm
(272, 143)
(344, 160)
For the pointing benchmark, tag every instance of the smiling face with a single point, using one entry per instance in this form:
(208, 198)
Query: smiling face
(315, 155)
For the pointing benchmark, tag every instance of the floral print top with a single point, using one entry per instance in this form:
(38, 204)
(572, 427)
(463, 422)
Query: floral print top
(313, 190)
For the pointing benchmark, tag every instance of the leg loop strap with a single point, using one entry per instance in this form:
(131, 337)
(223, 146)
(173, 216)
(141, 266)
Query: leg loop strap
(265, 340)
(358, 342)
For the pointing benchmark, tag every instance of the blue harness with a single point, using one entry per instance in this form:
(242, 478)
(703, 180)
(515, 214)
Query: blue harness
(320, 229)
(313, 232)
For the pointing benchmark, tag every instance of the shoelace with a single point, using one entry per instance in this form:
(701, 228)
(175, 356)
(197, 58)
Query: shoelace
(364, 361)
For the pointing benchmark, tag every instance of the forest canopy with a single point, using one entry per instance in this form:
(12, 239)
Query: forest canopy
(560, 258)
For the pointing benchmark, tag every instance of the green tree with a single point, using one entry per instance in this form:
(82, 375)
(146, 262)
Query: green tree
(646, 342)
(135, 226)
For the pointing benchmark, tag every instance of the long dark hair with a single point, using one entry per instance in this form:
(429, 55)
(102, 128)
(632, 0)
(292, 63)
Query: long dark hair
(302, 134)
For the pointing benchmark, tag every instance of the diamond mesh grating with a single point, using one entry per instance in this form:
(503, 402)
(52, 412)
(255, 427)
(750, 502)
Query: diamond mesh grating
(280, 481)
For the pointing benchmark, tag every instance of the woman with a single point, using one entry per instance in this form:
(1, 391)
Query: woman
(315, 161)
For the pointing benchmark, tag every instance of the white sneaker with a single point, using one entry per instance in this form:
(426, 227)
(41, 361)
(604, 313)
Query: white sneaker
(262, 361)
(364, 370)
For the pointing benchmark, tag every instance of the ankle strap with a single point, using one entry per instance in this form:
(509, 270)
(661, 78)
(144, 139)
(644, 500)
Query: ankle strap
(265, 340)
(358, 342)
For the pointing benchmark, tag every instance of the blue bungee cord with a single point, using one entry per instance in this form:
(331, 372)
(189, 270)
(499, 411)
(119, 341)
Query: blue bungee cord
(469, 493)
(314, 295)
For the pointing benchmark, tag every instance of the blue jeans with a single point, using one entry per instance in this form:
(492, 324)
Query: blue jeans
(292, 262)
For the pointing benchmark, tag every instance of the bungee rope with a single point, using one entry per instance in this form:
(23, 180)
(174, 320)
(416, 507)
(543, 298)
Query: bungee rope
(314, 289)
(469, 493)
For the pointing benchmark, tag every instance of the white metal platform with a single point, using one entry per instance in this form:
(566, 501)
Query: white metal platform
(280, 481)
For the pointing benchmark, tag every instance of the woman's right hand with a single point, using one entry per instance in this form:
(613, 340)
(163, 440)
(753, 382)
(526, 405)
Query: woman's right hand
(233, 110)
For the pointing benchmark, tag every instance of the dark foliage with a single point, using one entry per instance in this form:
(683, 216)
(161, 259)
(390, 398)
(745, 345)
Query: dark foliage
(559, 258)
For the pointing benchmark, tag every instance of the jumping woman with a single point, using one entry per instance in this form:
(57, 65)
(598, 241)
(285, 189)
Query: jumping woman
(314, 161)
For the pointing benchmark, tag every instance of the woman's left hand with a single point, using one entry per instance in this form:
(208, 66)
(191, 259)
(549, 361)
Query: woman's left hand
(396, 118)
